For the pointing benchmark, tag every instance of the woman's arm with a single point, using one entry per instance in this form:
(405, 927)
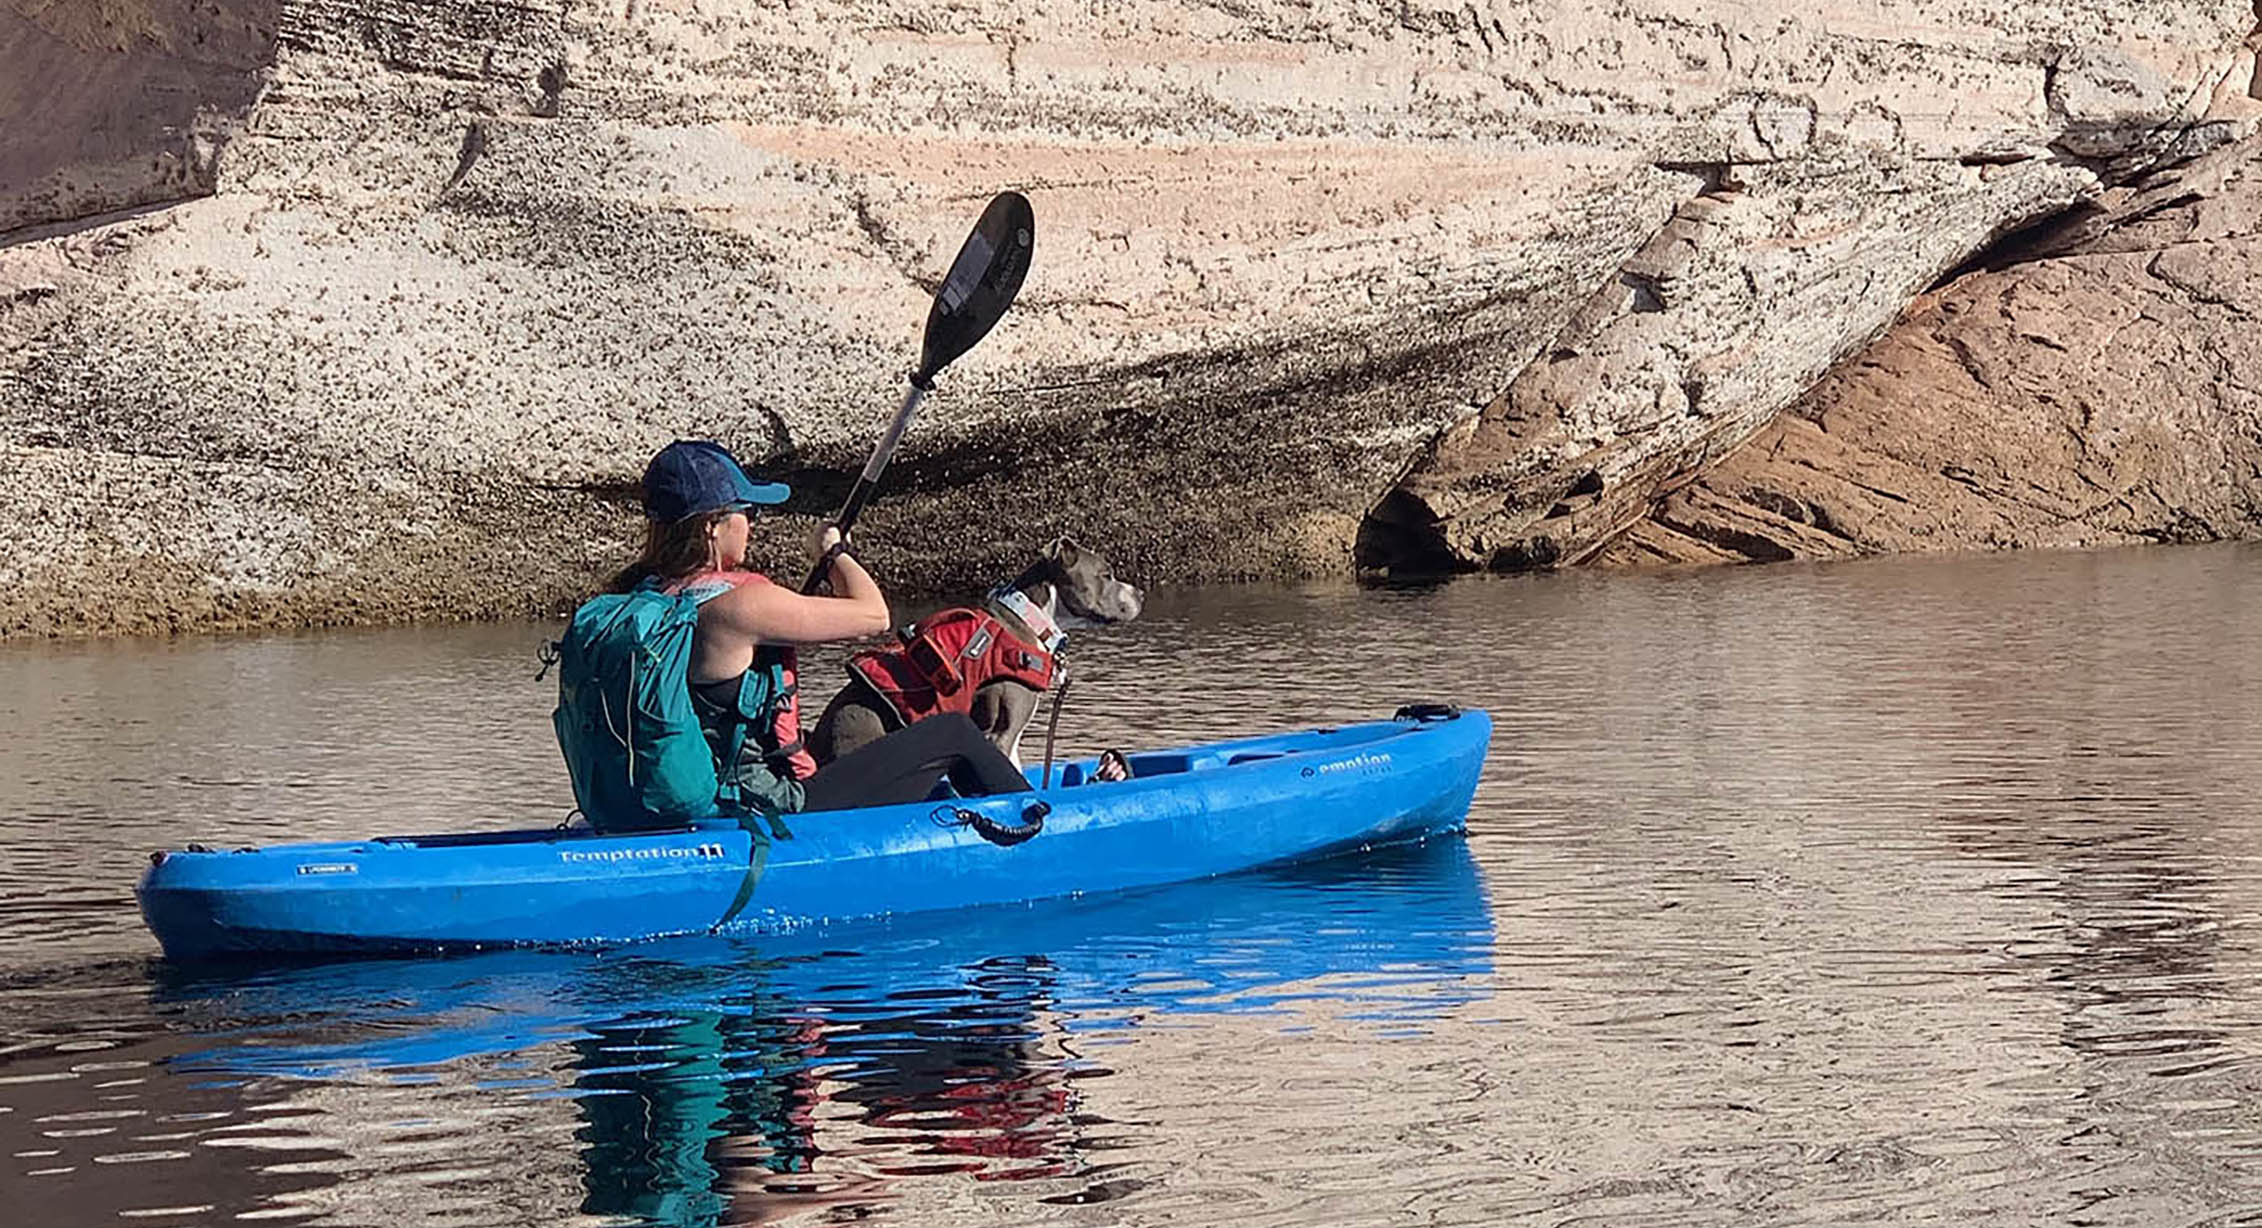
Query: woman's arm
(771, 614)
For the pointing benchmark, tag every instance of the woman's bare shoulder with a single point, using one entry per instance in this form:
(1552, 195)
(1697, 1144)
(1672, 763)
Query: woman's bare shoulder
(771, 613)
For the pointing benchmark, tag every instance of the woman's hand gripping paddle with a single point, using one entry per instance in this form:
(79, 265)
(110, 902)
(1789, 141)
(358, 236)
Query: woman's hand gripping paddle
(974, 294)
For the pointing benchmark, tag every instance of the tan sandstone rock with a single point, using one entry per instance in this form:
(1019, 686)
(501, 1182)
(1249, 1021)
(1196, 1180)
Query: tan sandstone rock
(466, 262)
(2101, 390)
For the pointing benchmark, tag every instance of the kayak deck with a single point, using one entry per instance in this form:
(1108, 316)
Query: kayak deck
(1187, 813)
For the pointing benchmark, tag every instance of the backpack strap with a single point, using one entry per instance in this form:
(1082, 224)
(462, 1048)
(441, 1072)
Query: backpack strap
(701, 588)
(704, 591)
(772, 659)
(757, 860)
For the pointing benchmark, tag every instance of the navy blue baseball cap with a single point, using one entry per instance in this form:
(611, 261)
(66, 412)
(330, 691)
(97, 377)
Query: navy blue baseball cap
(691, 477)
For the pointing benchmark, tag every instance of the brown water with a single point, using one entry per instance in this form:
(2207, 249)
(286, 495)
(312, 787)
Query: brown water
(1904, 891)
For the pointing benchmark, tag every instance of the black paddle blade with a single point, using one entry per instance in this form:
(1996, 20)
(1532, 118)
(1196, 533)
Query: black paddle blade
(981, 282)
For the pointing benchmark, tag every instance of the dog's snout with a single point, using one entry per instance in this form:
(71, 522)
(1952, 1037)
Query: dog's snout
(1129, 601)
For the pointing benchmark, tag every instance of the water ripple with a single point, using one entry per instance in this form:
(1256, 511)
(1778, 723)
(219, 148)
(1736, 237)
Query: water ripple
(1910, 891)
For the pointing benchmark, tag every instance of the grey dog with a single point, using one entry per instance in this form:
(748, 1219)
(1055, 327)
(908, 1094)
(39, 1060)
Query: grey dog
(1067, 579)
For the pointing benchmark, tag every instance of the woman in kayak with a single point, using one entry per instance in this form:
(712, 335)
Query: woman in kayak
(696, 501)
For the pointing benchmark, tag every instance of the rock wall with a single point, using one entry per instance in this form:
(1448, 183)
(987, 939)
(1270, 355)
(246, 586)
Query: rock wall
(1777, 271)
(2098, 388)
(466, 262)
(106, 105)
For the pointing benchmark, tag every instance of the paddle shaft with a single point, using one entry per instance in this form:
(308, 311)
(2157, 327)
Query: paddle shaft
(980, 285)
(868, 480)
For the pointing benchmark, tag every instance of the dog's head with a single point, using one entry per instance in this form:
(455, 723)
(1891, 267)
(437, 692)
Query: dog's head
(1087, 585)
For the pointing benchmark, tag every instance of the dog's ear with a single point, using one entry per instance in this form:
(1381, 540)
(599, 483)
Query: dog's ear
(1065, 552)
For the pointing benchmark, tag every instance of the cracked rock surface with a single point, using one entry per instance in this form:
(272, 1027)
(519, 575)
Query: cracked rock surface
(2098, 389)
(456, 267)
(1805, 240)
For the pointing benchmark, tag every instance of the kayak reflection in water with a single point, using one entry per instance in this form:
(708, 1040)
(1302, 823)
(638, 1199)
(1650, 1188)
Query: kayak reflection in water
(741, 670)
(713, 1080)
(713, 1115)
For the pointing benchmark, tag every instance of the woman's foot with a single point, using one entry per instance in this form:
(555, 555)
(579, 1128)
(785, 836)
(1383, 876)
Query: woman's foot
(1112, 766)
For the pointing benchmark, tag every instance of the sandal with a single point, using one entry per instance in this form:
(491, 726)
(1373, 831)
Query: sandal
(1112, 766)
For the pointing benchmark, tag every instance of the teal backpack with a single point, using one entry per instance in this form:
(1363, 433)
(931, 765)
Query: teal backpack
(624, 719)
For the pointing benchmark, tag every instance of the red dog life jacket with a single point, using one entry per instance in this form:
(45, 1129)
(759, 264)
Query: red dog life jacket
(944, 658)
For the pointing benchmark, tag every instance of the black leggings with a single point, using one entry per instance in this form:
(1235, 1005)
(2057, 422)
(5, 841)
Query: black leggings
(904, 766)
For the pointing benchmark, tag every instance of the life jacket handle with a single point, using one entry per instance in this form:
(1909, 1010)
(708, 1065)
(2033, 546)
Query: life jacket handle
(933, 664)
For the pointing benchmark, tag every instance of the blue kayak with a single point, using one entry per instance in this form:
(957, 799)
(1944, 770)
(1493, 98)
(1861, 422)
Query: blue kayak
(1185, 814)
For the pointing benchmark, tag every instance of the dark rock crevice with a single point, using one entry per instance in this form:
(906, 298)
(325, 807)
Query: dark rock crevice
(69, 227)
(1541, 495)
(2254, 44)
(903, 255)
(1253, 430)
(2066, 231)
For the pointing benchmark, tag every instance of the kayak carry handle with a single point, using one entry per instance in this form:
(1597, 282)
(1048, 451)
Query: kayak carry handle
(1427, 712)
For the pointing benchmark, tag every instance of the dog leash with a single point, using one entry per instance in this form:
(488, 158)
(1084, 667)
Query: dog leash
(1052, 727)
